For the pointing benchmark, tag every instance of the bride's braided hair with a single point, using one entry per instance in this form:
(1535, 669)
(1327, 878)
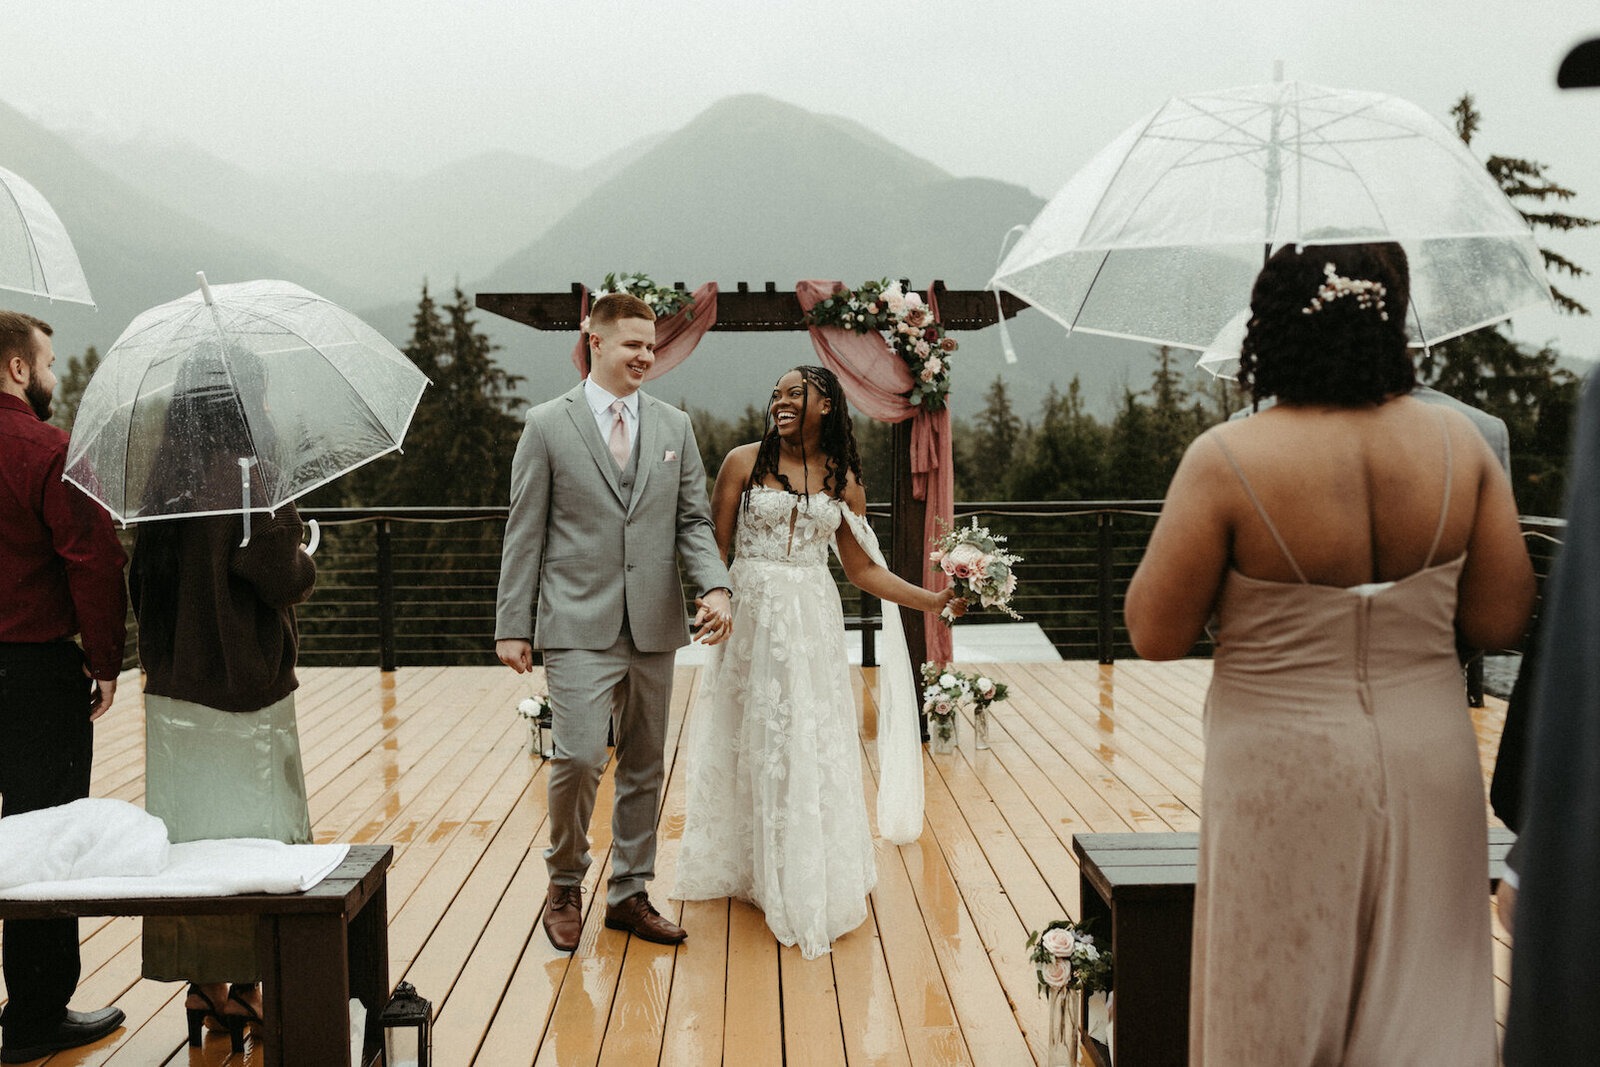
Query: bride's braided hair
(1327, 326)
(838, 437)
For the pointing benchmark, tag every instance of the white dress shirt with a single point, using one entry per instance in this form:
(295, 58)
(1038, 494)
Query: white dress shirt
(600, 402)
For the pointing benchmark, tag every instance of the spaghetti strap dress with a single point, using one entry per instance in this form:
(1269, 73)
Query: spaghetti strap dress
(1341, 906)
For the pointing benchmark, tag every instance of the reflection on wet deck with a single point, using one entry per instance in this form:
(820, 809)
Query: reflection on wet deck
(435, 760)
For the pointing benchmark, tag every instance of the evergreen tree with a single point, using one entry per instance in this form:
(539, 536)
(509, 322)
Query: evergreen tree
(1488, 370)
(1064, 457)
(69, 391)
(459, 447)
(1525, 182)
(992, 446)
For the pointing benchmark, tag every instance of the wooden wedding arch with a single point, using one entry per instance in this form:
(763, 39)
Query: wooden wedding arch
(769, 310)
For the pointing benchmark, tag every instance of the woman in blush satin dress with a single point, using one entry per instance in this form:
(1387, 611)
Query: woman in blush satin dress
(776, 811)
(1342, 538)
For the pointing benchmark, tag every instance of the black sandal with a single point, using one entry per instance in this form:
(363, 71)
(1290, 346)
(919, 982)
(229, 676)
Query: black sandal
(236, 1021)
(197, 1017)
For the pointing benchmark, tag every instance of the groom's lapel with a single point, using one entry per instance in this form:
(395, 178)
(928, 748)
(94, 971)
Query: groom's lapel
(649, 447)
(583, 418)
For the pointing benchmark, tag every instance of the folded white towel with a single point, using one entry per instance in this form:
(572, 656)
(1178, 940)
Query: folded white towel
(204, 869)
(89, 838)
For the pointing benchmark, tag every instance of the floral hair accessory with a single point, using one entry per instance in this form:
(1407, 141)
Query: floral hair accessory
(1368, 293)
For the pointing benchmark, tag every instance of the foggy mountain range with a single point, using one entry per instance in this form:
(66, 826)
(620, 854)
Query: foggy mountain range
(751, 189)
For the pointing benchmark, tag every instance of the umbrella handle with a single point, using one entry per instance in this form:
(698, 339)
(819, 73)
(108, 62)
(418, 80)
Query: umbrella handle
(244, 488)
(316, 536)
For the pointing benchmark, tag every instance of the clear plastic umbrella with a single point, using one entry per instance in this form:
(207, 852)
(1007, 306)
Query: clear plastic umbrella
(237, 399)
(1159, 238)
(36, 255)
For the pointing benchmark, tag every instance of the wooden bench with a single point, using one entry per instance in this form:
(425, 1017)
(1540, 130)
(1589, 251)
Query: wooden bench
(317, 950)
(1140, 887)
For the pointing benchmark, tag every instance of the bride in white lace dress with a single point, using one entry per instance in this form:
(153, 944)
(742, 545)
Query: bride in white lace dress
(776, 814)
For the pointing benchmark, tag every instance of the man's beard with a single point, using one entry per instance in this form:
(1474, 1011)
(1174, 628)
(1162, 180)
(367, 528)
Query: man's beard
(39, 398)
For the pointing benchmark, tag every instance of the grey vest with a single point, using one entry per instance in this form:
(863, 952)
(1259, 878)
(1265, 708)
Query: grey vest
(630, 473)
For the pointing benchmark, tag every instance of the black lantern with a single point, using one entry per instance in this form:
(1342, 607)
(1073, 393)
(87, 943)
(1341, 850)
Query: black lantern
(407, 1029)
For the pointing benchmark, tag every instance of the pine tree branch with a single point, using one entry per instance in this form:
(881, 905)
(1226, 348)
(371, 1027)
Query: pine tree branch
(1559, 262)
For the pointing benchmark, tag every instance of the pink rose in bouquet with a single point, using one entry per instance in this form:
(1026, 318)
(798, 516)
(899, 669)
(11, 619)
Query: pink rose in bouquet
(1059, 942)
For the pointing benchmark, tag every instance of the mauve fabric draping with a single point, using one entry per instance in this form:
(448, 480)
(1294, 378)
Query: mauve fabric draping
(676, 335)
(875, 381)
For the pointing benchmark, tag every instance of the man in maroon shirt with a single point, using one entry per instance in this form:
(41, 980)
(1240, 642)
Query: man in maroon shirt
(60, 575)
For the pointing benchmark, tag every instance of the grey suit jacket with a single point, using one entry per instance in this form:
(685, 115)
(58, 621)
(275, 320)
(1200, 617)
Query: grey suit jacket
(576, 552)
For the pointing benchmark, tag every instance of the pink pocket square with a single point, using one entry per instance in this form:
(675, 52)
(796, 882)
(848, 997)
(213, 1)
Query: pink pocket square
(669, 457)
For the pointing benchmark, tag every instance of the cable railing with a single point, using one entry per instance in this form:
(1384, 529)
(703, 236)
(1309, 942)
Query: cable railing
(416, 586)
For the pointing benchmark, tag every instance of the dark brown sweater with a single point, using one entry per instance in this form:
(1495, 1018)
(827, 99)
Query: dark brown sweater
(234, 636)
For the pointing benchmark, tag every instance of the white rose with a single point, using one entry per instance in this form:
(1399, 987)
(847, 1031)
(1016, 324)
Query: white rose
(1058, 942)
(529, 707)
(947, 680)
(1056, 973)
(985, 687)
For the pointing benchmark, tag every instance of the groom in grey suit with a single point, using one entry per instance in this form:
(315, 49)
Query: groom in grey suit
(607, 494)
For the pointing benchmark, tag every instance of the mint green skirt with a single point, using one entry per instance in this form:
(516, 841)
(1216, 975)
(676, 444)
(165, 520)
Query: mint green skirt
(217, 774)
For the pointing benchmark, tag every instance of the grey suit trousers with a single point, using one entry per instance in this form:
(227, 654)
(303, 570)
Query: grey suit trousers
(587, 688)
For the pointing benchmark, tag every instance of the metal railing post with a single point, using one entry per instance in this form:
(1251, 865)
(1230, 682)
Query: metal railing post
(870, 606)
(386, 657)
(1105, 589)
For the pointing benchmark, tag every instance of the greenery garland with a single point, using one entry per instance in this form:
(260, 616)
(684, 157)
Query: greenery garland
(913, 334)
(664, 300)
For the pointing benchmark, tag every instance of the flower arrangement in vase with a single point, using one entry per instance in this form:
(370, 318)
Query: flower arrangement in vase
(536, 710)
(1067, 962)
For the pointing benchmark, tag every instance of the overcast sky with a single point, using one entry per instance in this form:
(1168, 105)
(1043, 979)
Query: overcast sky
(1024, 91)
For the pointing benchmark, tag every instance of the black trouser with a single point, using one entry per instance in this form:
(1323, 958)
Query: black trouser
(46, 745)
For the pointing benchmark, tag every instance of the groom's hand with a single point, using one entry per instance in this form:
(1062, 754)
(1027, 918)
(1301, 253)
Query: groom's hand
(516, 654)
(713, 617)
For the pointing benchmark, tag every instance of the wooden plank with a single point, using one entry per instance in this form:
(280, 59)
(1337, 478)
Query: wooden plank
(811, 1027)
(868, 1013)
(753, 1027)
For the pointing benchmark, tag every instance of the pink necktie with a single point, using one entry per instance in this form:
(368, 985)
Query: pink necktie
(619, 435)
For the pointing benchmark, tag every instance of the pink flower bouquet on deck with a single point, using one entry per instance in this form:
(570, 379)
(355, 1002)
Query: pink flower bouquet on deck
(979, 568)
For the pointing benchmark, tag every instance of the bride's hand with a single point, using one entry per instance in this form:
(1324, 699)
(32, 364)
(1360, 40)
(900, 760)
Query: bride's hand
(950, 602)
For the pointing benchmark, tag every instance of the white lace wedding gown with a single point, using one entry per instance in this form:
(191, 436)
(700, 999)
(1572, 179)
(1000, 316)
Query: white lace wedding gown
(776, 814)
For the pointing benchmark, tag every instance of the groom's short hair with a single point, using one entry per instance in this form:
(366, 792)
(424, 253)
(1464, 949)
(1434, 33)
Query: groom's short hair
(613, 306)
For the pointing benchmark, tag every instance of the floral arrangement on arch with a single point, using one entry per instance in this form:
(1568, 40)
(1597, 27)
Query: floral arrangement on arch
(979, 568)
(913, 334)
(664, 300)
(1065, 957)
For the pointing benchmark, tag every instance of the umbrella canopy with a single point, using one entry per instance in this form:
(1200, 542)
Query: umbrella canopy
(36, 255)
(262, 372)
(1159, 238)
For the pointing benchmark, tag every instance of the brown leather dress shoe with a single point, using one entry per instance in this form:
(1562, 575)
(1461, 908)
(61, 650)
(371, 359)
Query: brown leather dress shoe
(563, 916)
(640, 918)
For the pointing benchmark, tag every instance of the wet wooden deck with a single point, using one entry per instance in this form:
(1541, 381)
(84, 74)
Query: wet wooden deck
(435, 761)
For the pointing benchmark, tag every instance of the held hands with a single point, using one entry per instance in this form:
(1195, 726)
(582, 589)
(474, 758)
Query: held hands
(515, 653)
(713, 617)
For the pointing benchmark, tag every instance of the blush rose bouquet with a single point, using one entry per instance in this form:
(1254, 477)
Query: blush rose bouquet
(979, 567)
(1065, 956)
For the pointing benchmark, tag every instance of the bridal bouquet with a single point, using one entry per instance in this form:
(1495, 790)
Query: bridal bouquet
(1066, 957)
(978, 567)
(913, 334)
